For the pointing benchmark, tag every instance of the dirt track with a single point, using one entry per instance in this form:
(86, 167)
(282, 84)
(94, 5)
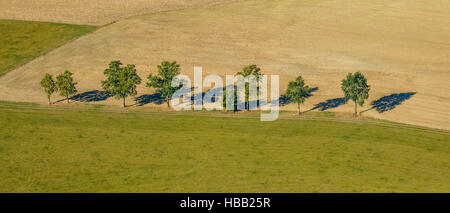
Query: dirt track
(402, 47)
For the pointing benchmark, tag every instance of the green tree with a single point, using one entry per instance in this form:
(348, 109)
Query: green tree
(66, 85)
(356, 89)
(230, 99)
(121, 81)
(297, 92)
(163, 81)
(252, 69)
(49, 86)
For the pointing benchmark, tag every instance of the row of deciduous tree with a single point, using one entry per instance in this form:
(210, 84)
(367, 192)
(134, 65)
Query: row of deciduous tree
(121, 81)
(64, 84)
(354, 86)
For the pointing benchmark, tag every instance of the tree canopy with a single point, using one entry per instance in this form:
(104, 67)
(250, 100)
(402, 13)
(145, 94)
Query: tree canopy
(49, 86)
(252, 69)
(297, 92)
(66, 85)
(121, 81)
(231, 99)
(355, 88)
(163, 81)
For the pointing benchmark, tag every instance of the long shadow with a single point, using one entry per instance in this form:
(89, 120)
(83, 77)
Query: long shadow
(389, 102)
(329, 104)
(285, 100)
(90, 96)
(206, 97)
(158, 99)
(149, 98)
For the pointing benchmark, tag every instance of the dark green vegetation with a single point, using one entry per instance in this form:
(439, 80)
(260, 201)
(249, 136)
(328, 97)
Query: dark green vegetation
(247, 71)
(163, 81)
(121, 81)
(22, 41)
(66, 85)
(355, 88)
(96, 149)
(49, 86)
(297, 91)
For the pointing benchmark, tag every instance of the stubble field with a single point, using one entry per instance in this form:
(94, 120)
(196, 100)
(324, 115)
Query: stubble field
(92, 12)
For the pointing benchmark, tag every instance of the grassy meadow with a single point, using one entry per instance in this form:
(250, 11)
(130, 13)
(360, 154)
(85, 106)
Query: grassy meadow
(95, 148)
(22, 41)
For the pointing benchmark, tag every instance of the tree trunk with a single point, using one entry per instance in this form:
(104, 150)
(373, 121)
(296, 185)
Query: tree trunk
(299, 112)
(49, 102)
(67, 97)
(356, 109)
(168, 102)
(123, 103)
(247, 104)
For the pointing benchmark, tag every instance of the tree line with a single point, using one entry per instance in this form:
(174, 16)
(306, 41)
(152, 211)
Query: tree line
(64, 84)
(121, 81)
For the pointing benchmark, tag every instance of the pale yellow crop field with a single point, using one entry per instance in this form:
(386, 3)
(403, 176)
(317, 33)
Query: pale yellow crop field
(91, 12)
(401, 46)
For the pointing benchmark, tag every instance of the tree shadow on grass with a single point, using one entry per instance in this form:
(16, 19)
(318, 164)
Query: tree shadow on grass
(285, 100)
(207, 97)
(158, 99)
(90, 96)
(389, 102)
(329, 104)
(149, 98)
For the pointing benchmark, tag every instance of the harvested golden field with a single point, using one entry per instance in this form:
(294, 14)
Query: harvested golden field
(402, 47)
(93, 12)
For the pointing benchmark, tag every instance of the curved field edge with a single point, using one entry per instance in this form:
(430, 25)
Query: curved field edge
(23, 41)
(94, 149)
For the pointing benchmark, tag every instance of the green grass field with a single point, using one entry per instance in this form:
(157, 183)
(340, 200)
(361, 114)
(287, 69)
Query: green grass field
(95, 149)
(22, 41)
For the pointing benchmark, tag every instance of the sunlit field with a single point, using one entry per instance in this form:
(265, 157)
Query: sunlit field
(23, 41)
(98, 149)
